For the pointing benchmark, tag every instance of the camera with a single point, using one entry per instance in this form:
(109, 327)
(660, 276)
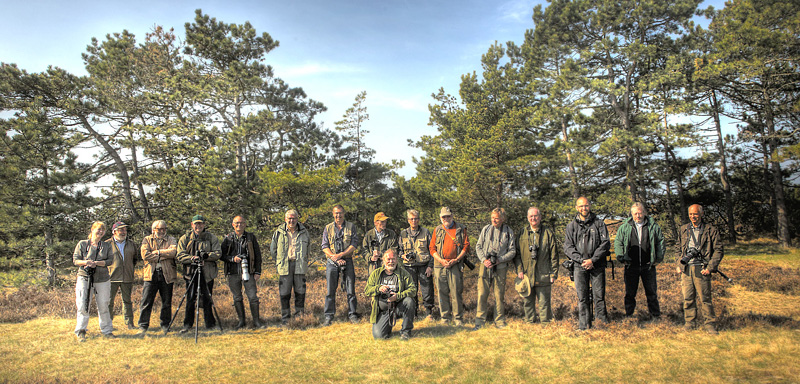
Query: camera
(411, 257)
(385, 296)
(569, 265)
(338, 245)
(374, 244)
(534, 251)
(691, 253)
(492, 257)
(89, 270)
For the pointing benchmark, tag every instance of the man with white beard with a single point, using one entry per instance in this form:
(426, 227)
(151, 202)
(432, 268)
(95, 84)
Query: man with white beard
(393, 291)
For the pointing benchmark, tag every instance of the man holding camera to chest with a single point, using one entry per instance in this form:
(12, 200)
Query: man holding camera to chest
(377, 241)
(392, 290)
(199, 249)
(698, 255)
(496, 249)
(242, 257)
(537, 259)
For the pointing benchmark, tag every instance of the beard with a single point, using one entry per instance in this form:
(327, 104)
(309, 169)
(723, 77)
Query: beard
(391, 268)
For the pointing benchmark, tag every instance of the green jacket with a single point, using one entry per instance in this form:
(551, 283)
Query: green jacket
(407, 288)
(546, 265)
(655, 237)
(205, 242)
(279, 249)
(121, 271)
(389, 241)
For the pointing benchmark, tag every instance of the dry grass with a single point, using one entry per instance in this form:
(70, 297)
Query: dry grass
(759, 320)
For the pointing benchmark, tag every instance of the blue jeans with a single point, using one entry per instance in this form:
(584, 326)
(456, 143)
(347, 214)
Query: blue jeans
(597, 276)
(332, 276)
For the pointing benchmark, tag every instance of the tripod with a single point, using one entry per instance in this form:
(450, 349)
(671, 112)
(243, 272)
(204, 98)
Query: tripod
(196, 283)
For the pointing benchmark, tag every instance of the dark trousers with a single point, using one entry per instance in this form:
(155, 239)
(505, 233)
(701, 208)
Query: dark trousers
(424, 286)
(647, 273)
(235, 283)
(597, 276)
(382, 329)
(332, 276)
(158, 285)
(206, 289)
(287, 283)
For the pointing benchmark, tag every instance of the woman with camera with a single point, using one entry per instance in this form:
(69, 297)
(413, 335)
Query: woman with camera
(93, 256)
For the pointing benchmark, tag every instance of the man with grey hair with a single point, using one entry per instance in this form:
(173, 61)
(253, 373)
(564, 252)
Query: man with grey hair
(289, 247)
(698, 254)
(392, 291)
(640, 246)
(496, 247)
(449, 246)
(158, 252)
(537, 259)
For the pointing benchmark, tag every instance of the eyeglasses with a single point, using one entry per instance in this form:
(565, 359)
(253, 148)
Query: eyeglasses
(160, 229)
(239, 223)
(413, 219)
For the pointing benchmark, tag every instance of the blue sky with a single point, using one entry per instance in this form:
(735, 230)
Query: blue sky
(398, 51)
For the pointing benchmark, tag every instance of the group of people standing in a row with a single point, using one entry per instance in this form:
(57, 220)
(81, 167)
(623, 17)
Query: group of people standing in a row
(400, 267)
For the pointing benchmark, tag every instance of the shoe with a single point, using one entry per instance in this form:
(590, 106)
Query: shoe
(688, 326)
(185, 329)
(354, 319)
(164, 328)
(500, 325)
(478, 325)
(131, 326)
(109, 336)
(284, 322)
(711, 329)
(142, 332)
(405, 336)
(81, 335)
(458, 323)
(327, 321)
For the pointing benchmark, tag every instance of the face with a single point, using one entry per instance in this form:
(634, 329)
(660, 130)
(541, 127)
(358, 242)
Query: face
(695, 215)
(380, 225)
(497, 220)
(638, 215)
(413, 221)
(239, 224)
(198, 227)
(534, 218)
(120, 234)
(159, 231)
(338, 215)
(390, 261)
(583, 207)
(446, 220)
(291, 220)
(98, 233)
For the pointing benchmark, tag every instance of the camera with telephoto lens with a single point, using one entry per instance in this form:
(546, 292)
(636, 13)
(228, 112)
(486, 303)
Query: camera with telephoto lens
(534, 251)
(569, 265)
(245, 267)
(691, 253)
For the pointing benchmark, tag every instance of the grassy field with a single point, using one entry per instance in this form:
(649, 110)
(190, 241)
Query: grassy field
(759, 339)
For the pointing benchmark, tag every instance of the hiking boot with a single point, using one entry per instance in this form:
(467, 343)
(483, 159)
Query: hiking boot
(239, 307)
(185, 329)
(478, 325)
(405, 335)
(458, 323)
(131, 326)
(711, 329)
(500, 325)
(688, 326)
(327, 321)
(354, 319)
(81, 335)
(109, 336)
(142, 332)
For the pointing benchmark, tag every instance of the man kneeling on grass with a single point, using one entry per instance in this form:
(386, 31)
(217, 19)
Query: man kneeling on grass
(393, 291)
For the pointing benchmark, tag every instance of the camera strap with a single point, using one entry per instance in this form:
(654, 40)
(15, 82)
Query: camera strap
(694, 239)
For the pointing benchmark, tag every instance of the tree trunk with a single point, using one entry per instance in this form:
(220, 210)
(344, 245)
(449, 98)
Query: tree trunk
(573, 176)
(781, 217)
(125, 180)
(723, 169)
(142, 196)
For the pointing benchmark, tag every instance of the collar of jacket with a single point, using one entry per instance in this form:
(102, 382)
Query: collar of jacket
(589, 219)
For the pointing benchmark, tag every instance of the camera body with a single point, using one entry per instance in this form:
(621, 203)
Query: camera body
(374, 244)
(385, 296)
(534, 249)
(691, 253)
(338, 245)
(89, 270)
(411, 257)
(569, 265)
(492, 257)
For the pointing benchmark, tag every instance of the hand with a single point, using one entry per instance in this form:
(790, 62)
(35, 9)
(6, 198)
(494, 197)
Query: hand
(383, 289)
(678, 270)
(341, 262)
(520, 275)
(405, 257)
(587, 264)
(705, 272)
(374, 255)
(237, 259)
(256, 276)
(90, 263)
(195, 258)
(552, 280)
(392, 298)
(336, 257)
(428, 271)
(488, 264)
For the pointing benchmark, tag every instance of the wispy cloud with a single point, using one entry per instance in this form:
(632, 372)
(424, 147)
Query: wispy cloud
(517, 10)
(315, 69)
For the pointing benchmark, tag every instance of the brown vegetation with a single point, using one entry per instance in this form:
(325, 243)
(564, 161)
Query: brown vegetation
(30, 302)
